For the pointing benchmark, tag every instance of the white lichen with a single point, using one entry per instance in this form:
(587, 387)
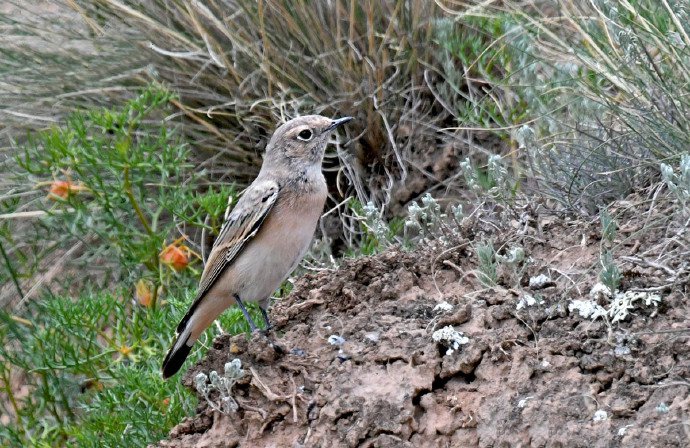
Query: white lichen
(625, 302)
(621, 431)
(336, 340)
(513, 256)
(621, 350)
(451, 338)
(600, 291)
(618, 309)
(443, 307)
(525, 301)
(522, 403)
(600, 416)
(539, 282)
(373, 336)
(587, 309)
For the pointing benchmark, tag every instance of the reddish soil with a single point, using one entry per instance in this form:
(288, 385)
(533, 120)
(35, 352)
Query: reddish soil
(529, 377)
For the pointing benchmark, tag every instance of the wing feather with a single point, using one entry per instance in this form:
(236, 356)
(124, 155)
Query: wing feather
(239, 228)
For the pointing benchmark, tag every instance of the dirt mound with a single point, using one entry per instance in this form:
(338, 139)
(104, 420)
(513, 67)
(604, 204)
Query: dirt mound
(532, 373)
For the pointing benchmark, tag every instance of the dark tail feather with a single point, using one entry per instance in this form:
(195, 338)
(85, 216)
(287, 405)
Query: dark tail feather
(176, 356)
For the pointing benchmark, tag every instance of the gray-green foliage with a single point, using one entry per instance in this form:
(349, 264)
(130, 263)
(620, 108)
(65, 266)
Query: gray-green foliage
(493, 181)
(610, 274)
(206, 384)
(678, 182)
(607, 89)
(487, 271)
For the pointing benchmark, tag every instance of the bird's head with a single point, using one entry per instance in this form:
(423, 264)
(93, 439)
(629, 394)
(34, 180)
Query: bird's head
(302, 141)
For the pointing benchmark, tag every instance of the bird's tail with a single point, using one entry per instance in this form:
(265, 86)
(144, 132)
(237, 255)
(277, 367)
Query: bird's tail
(178, 352)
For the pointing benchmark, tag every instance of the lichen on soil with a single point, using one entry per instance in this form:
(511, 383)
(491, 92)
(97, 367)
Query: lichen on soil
(539, 375)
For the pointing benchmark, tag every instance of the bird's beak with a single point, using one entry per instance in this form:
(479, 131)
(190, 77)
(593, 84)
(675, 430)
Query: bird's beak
(335, 123)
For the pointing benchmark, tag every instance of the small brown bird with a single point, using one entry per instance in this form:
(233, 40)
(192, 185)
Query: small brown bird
(266, 235)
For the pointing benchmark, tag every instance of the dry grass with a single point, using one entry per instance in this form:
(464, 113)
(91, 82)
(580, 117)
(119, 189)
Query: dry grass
(240, 66)
(607, 84)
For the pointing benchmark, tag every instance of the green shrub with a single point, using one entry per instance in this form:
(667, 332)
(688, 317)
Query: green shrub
(90, 369)
(122, 183)
(84, 370)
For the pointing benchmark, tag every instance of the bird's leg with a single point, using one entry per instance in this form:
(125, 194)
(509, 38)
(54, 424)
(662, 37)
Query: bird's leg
(268, 322)
(252, 325)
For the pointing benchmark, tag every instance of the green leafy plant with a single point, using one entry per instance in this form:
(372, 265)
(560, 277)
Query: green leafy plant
(90, 368)
(120, 182)
(375, 234)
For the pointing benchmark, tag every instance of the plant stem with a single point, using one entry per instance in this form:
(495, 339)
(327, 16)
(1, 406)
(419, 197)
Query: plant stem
(135, 204)
(13, 274)
(8, 390)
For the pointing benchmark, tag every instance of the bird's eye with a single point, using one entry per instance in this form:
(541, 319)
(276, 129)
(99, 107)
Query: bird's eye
(305, 135)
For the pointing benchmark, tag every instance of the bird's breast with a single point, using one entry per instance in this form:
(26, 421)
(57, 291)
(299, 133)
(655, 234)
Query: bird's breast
(282, 240)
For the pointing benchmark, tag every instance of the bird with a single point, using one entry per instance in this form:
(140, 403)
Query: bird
(265, 236)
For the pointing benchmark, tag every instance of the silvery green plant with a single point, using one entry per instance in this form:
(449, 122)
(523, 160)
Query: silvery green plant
(513, 263)
(426, 221)
(487, 273)
(426, 218)
(678, 183)
(610, 275)
(375, 223)
(498, 183)
(503, 189)
(608, 226)
(223, 384)
(471, 176)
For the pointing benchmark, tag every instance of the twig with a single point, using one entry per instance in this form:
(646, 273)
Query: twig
(679, 330)
(247, 407)
(453, 265)
(653, 288)
(643, 262)
(30, 214)
(268, 393)
(133, 202)
(294, 397)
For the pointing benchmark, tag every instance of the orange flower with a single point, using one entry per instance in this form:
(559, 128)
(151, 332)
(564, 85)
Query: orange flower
(165, 404)
(62, 189)
(143, 293)
(177, 257)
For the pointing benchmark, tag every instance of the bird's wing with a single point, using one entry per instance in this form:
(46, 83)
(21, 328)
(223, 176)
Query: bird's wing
(239, 227)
